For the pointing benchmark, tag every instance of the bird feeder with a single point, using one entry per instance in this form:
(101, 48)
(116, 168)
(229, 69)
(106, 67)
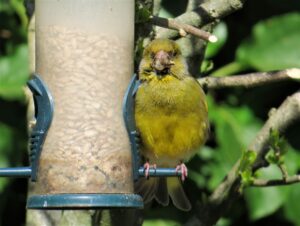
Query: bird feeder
(80, 154)
(80, 151)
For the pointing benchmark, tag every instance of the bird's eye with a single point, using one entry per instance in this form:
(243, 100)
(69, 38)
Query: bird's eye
(170, 53)
(174, 54)
(147, 71)
(152, 55)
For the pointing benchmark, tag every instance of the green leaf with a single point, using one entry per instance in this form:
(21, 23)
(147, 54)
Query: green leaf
(234, 130)
(247, 177)
(262, 202)
(271, 158)
(245, 167)
(277, 142)
(292, 205)
(142, 14)
(221, 32)
(265, 201)
(160, 223)
(14, 74)
(274, 44)
(247, 160)
(224, 222)
(206, 66)
(18, 6)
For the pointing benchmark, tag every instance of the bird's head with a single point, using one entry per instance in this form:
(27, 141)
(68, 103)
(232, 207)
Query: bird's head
(162, 58)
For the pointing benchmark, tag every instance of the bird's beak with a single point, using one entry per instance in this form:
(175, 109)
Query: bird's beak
(161, 61)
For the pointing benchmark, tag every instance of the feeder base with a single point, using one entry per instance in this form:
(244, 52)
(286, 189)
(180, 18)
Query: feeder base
(84, 201)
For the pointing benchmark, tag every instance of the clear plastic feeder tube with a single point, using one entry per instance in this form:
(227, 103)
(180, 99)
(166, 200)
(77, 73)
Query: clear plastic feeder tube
(84, 53)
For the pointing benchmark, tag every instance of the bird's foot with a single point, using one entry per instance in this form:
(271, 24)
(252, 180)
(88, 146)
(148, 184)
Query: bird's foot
(183, 169)
(147, 167)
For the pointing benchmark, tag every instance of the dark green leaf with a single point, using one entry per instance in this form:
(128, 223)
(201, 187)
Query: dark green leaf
(142, 14)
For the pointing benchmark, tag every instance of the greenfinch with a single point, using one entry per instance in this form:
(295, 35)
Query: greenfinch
(171, 118)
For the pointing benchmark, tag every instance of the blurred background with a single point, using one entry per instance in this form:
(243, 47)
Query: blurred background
(263, 36)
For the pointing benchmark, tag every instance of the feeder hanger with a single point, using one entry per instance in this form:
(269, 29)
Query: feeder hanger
(43, 102)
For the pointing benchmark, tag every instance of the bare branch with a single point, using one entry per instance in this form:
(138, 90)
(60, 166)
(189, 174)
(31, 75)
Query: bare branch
(228, 191)
(280, 120)
(250, 80)
(205, 13)
(267, 183)
(182, 28)
(284, 172)
(156, 7)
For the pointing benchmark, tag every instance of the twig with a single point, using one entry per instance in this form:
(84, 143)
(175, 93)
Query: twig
(182, 28)
(250, 80)
(266, 183)
(228, 191)
(280, 164)
(156, 7)
(205, 13)
(280, 120)
(284, 172)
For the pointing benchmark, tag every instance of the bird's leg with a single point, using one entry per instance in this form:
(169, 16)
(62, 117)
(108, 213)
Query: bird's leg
(181, 167)
(147, 167)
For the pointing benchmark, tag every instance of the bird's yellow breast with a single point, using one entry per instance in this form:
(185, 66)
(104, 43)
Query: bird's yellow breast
(171, 117)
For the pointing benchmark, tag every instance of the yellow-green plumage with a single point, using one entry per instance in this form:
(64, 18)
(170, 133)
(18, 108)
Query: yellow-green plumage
(171, 117)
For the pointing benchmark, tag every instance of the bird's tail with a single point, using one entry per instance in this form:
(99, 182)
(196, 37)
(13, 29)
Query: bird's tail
(160, 189)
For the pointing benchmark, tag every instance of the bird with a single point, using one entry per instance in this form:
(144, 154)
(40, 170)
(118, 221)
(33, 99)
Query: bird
(171, 116)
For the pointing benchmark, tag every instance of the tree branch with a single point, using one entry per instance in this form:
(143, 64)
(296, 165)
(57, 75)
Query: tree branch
(228, 191)
(250, 80)
(205, 13)
(266, 183)
(284, 172)
(182, 28)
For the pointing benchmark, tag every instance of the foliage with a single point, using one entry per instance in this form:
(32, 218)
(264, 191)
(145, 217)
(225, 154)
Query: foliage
(212, 49)
(254, 39)
(245, 168)
(13, 134)
(271, 45)
(277, 148)
(277, 36)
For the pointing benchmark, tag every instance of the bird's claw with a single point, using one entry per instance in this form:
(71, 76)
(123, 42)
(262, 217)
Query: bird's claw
(183, 169)
(147, 167)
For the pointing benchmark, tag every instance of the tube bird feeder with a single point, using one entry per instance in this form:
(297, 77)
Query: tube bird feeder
(80, 154)
(84, 53)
